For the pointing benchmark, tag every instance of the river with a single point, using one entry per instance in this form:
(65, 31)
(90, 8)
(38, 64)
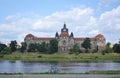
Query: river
(37, 66)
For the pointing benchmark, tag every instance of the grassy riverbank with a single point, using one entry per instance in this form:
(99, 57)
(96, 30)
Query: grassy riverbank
(61, 57)
(109, 72)
(105, 72)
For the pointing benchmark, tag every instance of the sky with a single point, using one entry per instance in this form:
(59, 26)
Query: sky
(43, 18)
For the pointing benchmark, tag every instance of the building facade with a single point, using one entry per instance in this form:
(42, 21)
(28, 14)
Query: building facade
(66, 41)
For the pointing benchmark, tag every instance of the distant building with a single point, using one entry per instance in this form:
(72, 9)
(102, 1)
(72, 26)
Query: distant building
(66, 41)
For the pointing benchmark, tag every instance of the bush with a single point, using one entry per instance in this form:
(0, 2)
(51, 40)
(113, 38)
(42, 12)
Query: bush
(1, 56)
(108, 50)
(75, 49)
(94, 51)
(6, 50)
(70, 52)
(96, 57)
(103, 52)
(39, 56)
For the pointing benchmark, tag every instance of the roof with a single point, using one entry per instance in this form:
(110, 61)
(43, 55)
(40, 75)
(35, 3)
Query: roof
(45, 39)
(77, 39)
(29, 36)
(36, 38)
(64, 34)
(99, 36)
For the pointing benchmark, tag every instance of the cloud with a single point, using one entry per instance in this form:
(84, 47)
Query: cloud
(80, 21)
(110, 24)
(107, 3)
(94, 32)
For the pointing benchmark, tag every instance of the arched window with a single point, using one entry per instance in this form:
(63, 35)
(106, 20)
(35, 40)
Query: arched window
(64, 42)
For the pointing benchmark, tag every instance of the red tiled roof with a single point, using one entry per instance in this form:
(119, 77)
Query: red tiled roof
(99, 36)
(35, 38)
(29, 35)
(78, 39)
(92, 39)
(64, 34)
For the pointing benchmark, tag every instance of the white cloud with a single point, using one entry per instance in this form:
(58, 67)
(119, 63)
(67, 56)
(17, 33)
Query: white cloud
(94, 32)
(110, 24)
(80, 21)
(106, 3)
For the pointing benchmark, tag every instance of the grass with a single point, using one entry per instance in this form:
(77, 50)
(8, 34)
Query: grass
(83, 57)
(105, 72)
(109, 72)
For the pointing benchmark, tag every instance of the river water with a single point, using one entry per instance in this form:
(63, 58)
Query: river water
(76, 67)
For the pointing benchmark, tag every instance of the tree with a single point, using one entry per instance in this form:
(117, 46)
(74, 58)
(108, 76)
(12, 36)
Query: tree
(116, 48)
(75, 49)
(43, 47)
(32, 47)
(13, 45)
(53, 46)
(108, 48)
(2, 46)
(23, 46)
(6, 50)
(86, 44)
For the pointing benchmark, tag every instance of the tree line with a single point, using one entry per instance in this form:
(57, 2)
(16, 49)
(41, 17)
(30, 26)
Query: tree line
(51, 47)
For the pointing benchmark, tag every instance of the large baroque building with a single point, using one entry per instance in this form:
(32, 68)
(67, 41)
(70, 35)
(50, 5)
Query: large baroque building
(66, 41)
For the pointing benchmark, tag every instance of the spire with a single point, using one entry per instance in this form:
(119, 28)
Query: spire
(64, 25)
(64, 29)
(56, 35)
(71, 35)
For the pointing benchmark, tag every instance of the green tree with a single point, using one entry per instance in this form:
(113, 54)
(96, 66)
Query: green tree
(116, 48)
(23, 46)
(53, 46)
(86, 44)
(2, 46)
(13, 45)
(43, 47)
(108, 48)
(32, 47)
(75, 49)
(6, 50)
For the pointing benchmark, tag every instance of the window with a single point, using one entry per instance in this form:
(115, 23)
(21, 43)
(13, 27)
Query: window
(64, 29)
(64, 42)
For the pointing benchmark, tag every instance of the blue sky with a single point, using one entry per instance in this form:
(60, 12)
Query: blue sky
(85, 18)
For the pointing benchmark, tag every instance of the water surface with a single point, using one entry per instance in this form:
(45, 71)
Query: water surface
(76, 67)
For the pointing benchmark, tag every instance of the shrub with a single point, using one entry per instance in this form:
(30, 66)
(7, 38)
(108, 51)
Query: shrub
(1, 56)
(103, 52)
(70, 52)
(39, 56)
(96, 57)
(7, 50)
